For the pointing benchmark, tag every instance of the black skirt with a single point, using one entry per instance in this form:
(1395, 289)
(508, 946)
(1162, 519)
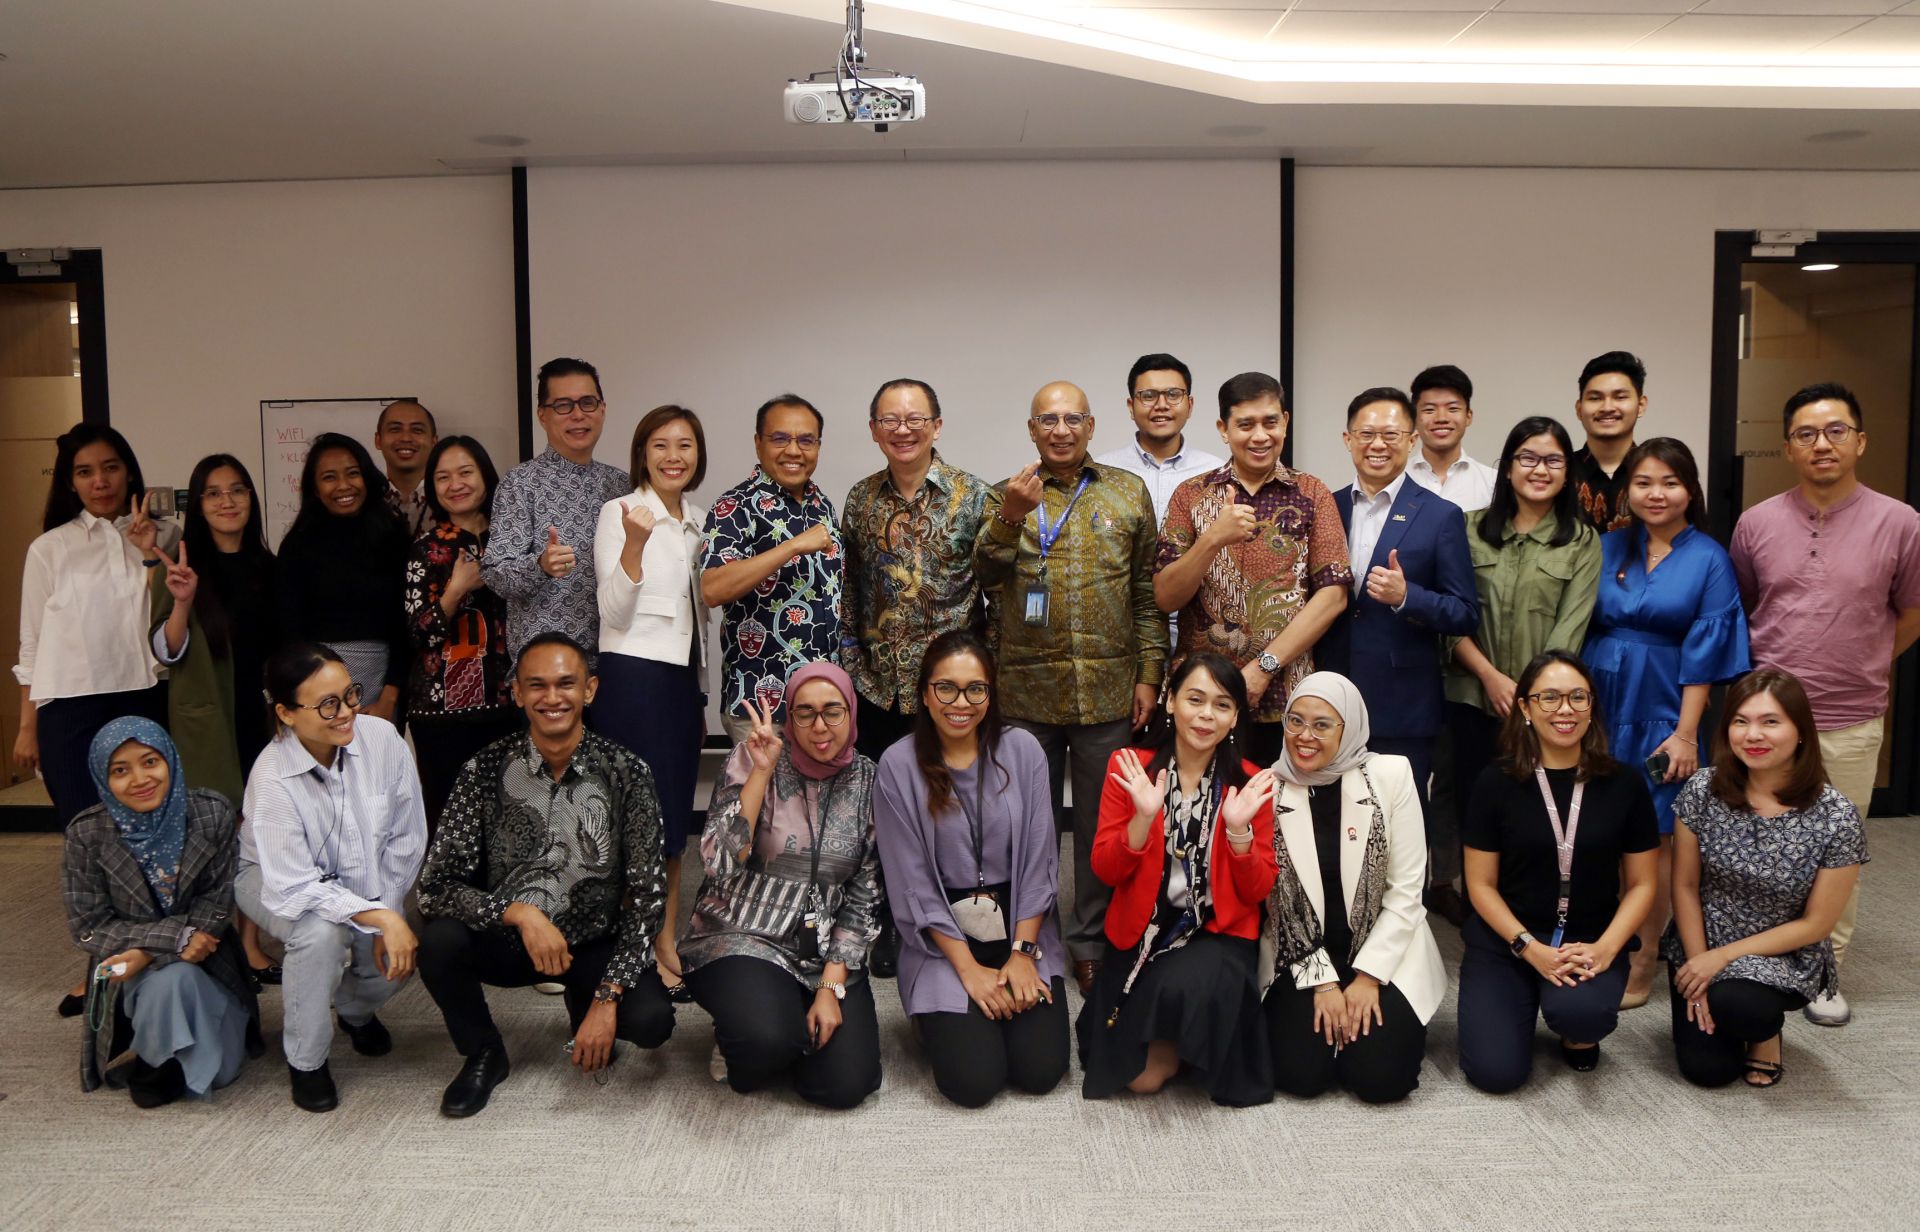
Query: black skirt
(1203, 998)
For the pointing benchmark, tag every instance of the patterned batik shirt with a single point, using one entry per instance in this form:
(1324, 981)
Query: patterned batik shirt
(549, 491)
(1104, 634)
(792, 618)
(460, 663)
(1602, 497)
(1253, 590)
(584, 848)
(909, 577)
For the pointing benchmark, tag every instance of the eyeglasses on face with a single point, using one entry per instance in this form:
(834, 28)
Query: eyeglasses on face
(948, 692)
(1579, 700)
(237, 493)
(893, 423)
(1835, 432)
(567, 406)
(1321, 728)
(833, 715)
(1527, 460)
(1147, 397)
(807, 441)
(1049, 422)
(1389, 437)
(329, 707)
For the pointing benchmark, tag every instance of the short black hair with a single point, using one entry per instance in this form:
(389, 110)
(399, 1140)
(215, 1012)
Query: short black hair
(899, 382)
(565, 366)
(1824, 391)
(1626, 363)
(1379, 393)
(1249, 387)
(488, 475)
(1159, 361)
(433, 425)
(63, 503)
(552, 637)
(760, 416)
(1443, 376)
(289, 667)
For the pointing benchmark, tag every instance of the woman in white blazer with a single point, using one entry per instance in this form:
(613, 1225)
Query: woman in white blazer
(1353, 988)
(653, 632)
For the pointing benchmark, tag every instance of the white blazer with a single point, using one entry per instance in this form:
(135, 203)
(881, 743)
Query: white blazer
(658, 616)
(1400, 949)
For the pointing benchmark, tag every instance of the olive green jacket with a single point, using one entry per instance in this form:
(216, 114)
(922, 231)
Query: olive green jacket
(1533, 597)
(200, 705)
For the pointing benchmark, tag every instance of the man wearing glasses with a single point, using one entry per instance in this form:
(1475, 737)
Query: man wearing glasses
(1068, 546)
(540, 545)
(1830, 575)
(774, 564)
(1160, 399)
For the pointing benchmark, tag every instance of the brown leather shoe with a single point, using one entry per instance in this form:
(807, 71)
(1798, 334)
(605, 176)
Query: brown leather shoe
(1083, 972)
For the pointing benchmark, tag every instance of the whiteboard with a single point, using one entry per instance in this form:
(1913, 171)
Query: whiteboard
(287, 427)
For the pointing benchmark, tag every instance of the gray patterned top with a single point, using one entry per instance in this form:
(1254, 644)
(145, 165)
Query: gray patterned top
(754, 907)
(549, 491)
(1756, 873)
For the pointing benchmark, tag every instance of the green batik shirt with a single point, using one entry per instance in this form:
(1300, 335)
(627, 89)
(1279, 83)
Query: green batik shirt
(1533, 597)
(1104, 634)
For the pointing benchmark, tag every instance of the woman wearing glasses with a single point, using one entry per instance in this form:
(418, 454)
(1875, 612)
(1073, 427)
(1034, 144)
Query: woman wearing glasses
(333, 838)
(963, 816)
(780, 930)
(1561, 854)
(1356, 973)
(1536, 565)
(1667, 627)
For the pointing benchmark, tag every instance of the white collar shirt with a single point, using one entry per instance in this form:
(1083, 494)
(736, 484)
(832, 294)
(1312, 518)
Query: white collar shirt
(1367, 523)
(1161, 477)
(1467, 483)
(84, 603)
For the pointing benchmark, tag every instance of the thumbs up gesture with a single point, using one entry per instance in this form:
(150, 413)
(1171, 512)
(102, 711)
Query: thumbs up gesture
(1387, 584)
(557, 560)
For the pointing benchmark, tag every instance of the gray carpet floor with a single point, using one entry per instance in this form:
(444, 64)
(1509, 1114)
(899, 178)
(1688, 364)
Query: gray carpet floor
(661, 1146)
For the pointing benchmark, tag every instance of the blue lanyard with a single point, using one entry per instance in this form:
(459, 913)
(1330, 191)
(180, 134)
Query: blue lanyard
(1050, 532)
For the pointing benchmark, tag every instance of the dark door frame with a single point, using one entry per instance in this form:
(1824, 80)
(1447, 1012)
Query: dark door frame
(1726, 469)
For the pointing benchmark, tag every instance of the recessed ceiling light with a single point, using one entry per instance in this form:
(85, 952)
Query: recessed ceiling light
(1837, 134)
(1820, 267)
(505, 141)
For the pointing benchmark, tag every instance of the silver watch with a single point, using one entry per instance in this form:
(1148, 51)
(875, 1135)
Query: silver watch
(1268, 664)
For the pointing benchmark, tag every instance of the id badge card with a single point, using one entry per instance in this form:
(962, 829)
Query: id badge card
(1559, 932)
(980, 918)
(807, 944)
(1034, 604)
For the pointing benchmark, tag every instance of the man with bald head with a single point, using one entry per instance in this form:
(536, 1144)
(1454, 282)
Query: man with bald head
(1068, 545)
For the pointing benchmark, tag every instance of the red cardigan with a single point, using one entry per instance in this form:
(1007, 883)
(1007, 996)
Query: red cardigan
(1241, 883)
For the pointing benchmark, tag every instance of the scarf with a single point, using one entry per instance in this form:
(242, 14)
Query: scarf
(156, 837)
(1340, 693)
(803, 761)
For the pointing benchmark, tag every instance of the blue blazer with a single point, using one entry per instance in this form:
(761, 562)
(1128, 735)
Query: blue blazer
(1395, 657)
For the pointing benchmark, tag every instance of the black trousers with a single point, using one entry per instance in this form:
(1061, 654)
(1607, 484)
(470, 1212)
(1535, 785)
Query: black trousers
(457, 962)
(442, 744)
(760, 1022)
(1475, 739)
(880, 728)
(1744, 1012)
(1380, 1067)
(1500, 998)
(975, 1058)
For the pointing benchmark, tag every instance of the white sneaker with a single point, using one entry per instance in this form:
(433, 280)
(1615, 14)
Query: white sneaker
(1829, 1010)
(550, 988)
(717, 1065)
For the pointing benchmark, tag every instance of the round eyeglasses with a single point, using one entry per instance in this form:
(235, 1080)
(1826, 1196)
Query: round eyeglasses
(807, 716)
(1321, 728)
(948, 692)
(329, 707)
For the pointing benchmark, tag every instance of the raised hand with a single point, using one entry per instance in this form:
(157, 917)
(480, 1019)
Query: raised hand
(182, 583)
(1023, 493)
(638, 521)
(1242, 804)
(1236, 524)
(1148, 794)
(1388, 584)
(557, 560)
(763, 746)
(142, 532)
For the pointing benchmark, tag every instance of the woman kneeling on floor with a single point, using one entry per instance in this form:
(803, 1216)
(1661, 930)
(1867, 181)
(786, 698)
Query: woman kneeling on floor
(1186, 841)
(1356, 973)
(780, 932)
(149, 891)
(1765, 855)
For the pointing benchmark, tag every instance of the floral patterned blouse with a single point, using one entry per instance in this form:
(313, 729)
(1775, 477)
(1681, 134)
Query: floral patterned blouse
(460, 666)
(1756, 873)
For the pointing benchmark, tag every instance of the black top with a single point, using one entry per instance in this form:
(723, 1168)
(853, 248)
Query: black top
(1506, 817)
(340, 580)
(1602, 497)
(244, 583)
(1336, 933)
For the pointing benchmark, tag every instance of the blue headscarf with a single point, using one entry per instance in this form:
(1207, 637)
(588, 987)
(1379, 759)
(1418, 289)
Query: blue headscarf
(155, 838)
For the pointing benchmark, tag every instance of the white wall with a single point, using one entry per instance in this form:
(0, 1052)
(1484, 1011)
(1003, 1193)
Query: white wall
(1520, 276)
(221, 295)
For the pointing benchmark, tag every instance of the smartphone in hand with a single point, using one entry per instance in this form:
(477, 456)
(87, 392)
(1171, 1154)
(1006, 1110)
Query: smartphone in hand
(1657, 767)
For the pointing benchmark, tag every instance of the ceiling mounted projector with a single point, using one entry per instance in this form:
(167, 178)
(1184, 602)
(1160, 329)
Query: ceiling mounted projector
(848, 94)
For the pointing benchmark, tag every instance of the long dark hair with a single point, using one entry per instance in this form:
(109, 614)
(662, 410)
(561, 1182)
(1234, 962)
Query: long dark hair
(1520, 746)
(1500, 510)
(1229, 757)
(63, 503)
(1809, 773)
(198, 538)
(1677, 458)
(926, 738)
(488, 475)
(374, 516)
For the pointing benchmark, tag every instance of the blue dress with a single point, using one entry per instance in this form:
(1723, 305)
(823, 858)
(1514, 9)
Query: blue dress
(1653, 634)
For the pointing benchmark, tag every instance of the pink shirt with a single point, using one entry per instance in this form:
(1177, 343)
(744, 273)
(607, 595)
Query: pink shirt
(1823, 591)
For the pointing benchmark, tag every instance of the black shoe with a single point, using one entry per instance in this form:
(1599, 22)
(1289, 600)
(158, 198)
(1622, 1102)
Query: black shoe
(256, 1044)
(313, 1088)
(155, 1086)
(471, 1087)
(73, 1005)
(1580, 1060)
(370, 1039)
(884, 962)
(263, 976)
(1446, 902)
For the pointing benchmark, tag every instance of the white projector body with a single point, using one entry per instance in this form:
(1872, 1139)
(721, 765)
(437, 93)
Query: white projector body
(870, 100)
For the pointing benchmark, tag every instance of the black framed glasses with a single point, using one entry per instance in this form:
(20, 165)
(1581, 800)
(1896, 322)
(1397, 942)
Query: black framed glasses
(833, 715)
(329, 707)
(1837, 433)
(948, 692)
(567, 406)
(1147, 397)
(1579, 700)
(1552, 461)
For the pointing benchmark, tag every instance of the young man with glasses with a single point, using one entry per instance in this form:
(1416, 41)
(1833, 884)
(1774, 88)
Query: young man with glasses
(909, 532)
(1612, 400)
(405, 434)
(540, 541)
(1068, 547)
(1830, 576)
(1160, 399)
(774, 565)
(1442, 413)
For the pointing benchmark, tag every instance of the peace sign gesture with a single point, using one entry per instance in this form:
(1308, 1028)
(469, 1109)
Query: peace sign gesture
(763, 746)
(141, 531)
(182, 582)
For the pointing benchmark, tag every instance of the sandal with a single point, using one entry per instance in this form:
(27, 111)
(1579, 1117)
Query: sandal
(1773, 1071)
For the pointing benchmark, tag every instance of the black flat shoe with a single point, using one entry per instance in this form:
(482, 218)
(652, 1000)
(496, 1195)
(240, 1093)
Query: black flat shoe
(370, 1039)
(1580, 1060)
(473, 1085)
(73, 1005)
(155, 1086)
(263, 976)
(313, 1089)
(884, 962)
(680, 994)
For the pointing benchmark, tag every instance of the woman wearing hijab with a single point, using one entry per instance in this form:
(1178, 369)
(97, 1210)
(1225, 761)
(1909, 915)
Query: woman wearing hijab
(780, 930)
(1356, 973)
(1186, 841)
(148, 882)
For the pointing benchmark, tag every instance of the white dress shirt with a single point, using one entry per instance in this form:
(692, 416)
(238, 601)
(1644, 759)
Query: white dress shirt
(84, 608)
(1467, 483)
(658, 616)
(1368, 523)
(1160, 477)
(335, 840)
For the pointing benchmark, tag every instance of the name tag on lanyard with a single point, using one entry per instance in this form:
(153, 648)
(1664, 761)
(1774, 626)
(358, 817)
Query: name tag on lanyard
(1035, 605)
(1563, 837)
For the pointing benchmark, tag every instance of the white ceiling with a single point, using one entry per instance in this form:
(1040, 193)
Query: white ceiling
(129, 91)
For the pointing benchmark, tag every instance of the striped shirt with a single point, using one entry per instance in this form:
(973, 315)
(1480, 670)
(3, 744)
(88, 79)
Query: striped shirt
(335, 840)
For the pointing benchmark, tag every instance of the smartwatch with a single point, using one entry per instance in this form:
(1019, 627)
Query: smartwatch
(1029, 948)
(1268, 664)
(1520, 943)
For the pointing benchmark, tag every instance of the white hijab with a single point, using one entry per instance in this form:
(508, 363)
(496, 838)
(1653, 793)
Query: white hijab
(1344, 696)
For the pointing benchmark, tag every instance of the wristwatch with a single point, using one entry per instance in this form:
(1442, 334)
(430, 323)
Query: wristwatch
(1268, 664)
(839, 990)
(609, 992)
(1029, 948)
(1520, 943)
